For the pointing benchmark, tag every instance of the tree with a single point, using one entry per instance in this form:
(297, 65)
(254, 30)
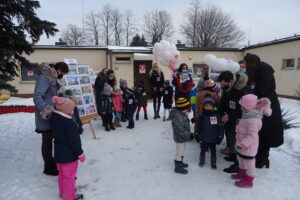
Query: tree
(72, 35)
(138, 41)
(106, 22)
(117, 20)
(20, 29)
(93, 27)
(210, 27)
(158, 25)
(129, 25)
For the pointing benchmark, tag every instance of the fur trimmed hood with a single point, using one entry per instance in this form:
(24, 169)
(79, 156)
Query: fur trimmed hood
(241, 82)
(49, 72)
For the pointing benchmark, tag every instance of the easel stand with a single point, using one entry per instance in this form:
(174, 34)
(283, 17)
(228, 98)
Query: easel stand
(88, 120)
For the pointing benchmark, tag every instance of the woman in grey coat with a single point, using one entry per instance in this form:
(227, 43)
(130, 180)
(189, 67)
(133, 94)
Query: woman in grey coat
(46, 87)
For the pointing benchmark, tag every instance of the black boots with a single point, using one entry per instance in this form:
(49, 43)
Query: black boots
(184, 165)
(234, 168)
(79, 197)
(145, 116)
(130, 125)
(213, 161)
(202, 159)
(137, 117)
(50, 169)
(179, 167)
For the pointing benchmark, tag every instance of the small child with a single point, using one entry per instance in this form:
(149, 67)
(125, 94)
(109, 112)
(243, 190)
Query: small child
(167, 98)
(141, 96)
(181, 132)
(117, 100)
(129, 104)
(106, 107)
(247, 139)
(67, 146)
(211, 131)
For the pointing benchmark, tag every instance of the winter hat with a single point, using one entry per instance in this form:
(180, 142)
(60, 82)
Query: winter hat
(117, 89)
(209, 100)
(64, 105)
(107, 89)
(249, 101)
(123, 81)
(183, 104)
(167, 83)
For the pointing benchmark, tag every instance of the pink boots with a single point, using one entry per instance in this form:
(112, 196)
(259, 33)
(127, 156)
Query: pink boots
(246, 182)
(239, 175)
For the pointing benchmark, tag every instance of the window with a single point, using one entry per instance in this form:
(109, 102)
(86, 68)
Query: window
(28, 73)
(288, 63)
(122, 59)
(197, 70)
(298, 66)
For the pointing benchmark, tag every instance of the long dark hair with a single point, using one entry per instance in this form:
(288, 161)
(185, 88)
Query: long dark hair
(252, 63)
(113, 82)
(181, 67)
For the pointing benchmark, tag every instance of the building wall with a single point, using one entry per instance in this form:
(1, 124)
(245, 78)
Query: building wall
(124, 70)
(96, 59)
(287, 81)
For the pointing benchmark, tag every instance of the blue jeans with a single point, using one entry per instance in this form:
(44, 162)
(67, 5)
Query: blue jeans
(117, 116)
(130, 117)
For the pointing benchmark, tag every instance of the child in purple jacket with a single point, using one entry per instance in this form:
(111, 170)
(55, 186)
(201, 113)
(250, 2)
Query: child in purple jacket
(247, 137)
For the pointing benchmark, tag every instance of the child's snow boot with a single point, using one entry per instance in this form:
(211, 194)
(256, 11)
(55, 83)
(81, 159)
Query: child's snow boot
(50, 169)
(112, 127)
(130, 125)
(137, 117)
(246, 182)
(239, 175)
(107, 128)
(119, 124)
(213, 162)
(184, 165)
(145, 116)
(178, 168)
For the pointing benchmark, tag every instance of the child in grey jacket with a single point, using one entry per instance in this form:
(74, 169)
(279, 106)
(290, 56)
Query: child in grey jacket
(181, 132)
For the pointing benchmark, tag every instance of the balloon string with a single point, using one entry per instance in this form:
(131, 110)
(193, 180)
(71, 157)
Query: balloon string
(171, 66)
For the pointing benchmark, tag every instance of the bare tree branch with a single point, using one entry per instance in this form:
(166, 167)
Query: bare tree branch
(72, 35)
(129, 25)
(106, 22)
(93, 27)
(210, 27)
(158, 25)
(117, 20)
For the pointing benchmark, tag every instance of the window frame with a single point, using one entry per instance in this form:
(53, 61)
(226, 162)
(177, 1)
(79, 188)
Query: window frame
(284, 64)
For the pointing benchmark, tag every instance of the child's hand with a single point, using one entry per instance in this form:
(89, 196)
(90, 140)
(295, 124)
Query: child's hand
(237, 148)
(82, 158)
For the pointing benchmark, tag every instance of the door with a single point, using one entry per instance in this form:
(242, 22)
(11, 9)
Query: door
(141, 72)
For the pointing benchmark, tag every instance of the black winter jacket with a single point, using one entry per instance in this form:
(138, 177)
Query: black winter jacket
(130, 101)
(67, 143)
(168, 97)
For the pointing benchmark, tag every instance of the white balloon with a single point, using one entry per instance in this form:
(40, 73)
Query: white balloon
(209, 59)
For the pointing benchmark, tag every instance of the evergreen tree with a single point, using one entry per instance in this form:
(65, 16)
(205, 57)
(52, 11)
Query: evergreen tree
(138, 41)
(20, 29)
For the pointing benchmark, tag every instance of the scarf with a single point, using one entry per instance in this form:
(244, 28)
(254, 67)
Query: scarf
(252, 114)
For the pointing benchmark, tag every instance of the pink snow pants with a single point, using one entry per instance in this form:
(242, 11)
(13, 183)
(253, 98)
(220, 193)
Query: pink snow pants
(66, 179)
(248, 165)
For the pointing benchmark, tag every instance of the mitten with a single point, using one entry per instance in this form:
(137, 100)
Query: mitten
(237, 148)
(82, 158)
(46, 112)
(193, 120)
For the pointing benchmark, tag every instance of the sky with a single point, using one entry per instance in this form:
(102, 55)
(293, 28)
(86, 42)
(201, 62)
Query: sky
(261, 20)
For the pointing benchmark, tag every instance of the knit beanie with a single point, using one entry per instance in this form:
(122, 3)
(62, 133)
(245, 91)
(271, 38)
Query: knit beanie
(64, 105)
(107, 89)
(183, 104)
(209, 100)
(249, 101)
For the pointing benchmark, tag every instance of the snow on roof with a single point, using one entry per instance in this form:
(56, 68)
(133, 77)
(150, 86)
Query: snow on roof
(13, 101)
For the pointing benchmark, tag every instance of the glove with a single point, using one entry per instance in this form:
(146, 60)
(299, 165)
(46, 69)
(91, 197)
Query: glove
(82, 158)
(193, 120)
(46, 112)
(237, 148)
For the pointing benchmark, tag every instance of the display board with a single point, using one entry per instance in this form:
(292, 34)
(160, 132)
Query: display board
(79, 80)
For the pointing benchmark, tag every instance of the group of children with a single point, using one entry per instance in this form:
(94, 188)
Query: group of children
(123, 102)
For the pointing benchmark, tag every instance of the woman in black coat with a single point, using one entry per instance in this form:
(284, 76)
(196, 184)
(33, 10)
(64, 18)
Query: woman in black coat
(156, 80)
(263, 83)
(98, 86)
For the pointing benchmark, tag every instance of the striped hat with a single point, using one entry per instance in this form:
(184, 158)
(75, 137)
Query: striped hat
(183, 104)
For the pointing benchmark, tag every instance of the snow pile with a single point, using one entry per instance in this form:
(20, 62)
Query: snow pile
(137, 164)
(14, 101)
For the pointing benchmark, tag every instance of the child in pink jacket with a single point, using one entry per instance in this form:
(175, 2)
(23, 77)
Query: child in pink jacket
(118, 105)
(247, 137)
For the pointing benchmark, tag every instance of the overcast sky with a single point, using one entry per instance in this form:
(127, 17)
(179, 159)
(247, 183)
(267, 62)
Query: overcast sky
(261, 20)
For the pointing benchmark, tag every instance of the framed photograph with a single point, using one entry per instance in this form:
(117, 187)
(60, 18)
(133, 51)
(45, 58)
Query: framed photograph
(63, 81)
(76, 90)
(81, 110)
(88, 99)
(72, 70)
(83, 69)
(72, 80)
(78, 100)
(91, 72)
(90, 109)
(86, 89)
(84, 80)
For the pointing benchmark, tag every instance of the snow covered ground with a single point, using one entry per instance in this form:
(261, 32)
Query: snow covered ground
(138, 165)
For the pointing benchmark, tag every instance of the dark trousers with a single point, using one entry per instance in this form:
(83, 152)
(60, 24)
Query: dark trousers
(47, 148)
(156, 103)
(139, 109)
(212, 147)
(262, 156)
(130, 117)
(230, 137)
(107, 119)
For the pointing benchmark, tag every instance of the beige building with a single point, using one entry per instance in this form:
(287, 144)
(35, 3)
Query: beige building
(127, 62)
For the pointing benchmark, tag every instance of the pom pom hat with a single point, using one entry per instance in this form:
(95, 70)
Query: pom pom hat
(64, 105)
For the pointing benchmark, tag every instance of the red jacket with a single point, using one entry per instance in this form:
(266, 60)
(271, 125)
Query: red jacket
(117, 102)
